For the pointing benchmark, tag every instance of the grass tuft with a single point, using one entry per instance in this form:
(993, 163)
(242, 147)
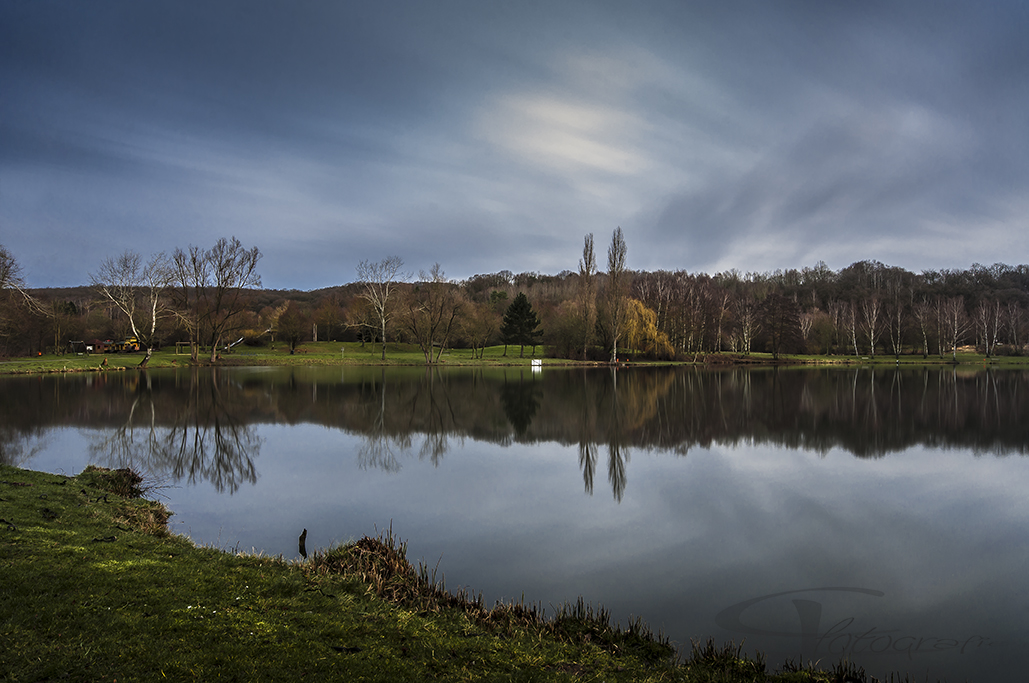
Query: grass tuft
(124, 482)
(382, 564)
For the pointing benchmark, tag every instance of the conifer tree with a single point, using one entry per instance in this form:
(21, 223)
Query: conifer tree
(520, 324)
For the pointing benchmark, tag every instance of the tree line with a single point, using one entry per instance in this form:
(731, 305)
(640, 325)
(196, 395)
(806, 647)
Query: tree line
(211, 300)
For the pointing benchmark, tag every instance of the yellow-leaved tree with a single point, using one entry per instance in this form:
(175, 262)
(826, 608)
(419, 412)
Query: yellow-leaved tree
(641, 333)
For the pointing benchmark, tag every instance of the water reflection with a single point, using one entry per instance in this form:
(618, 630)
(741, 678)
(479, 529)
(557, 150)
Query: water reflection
(521, 401)
(198, 424)
(210, 436)
(195, 425)
(19, 446)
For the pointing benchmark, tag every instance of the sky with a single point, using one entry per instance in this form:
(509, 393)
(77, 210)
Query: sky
(489, 136)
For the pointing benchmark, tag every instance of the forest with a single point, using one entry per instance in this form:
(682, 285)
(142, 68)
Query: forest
(212, 300)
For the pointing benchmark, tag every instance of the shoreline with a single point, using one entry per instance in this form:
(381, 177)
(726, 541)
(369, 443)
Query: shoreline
(333, 354)
(97, 585)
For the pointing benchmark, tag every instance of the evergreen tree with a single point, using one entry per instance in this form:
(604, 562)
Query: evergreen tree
(520, 324)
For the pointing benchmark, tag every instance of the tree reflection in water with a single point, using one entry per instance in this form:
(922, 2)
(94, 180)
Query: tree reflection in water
(381, 445)
(521, 401)
(204, 435)
(200, 423)
(16, 447)
(587, 424)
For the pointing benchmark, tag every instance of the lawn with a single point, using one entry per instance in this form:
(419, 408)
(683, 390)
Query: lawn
(355, 353)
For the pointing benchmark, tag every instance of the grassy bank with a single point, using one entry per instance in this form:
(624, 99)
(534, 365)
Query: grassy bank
(319, 353)
(95, 588)
(353, 353)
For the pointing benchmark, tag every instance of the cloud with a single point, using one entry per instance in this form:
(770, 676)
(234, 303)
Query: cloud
(485, 137)
(845, 180)
(565, 136)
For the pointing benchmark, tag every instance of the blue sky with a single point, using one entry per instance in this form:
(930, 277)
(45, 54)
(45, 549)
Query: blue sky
(492, 136)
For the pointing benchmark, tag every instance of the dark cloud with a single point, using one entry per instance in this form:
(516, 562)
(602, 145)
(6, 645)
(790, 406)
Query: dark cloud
(485, 137)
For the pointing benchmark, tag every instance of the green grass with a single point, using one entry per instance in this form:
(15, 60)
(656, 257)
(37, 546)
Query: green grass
(311, 353)
(95, 588)
(353, 353)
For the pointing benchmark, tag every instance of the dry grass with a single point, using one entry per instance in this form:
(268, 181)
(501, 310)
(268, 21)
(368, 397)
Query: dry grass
(381, 563)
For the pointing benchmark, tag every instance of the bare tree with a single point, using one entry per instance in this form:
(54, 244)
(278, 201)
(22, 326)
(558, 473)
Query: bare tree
(923, 310)
(956, 321)
(481, 324)
(10, 279)
(872, 309)
(987, 324)
(1015, 320)
(781, 317)
(433, 310)
(895, 309)
(210, 289)
(57, 312)
(941, 323)
(850, 322)
(192, 275)
(695, 301)
(587, 293)
(725, 300)
(10, 271)
(807, 321)
(136, 289)
(378, 284)
(836, 313)
(617, 291)
(292, 325)
(329, 316)
(748, 320)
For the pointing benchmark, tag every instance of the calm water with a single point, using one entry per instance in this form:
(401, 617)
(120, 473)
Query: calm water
(880, 515)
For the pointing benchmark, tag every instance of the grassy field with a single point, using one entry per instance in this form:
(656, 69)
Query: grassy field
(353, 353)
(95, 588)
(318, 353)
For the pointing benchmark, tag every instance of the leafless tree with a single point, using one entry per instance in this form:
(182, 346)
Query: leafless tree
(378, 284)
(210, 288)
(836, 311)
(895, 308)
(693, 298)
(748, 321)
(433, 310)
(617, 291)
(956, 320)
(807, 320)
(10, 279)
(587, 293)
(923, 312)
(10, 271)
(481, 324)
(292, 325)
(725, 300)
(1015, 321)
(850, 322)
(987, 324)
(136, 289)
(871, 320)
(57, 312)
(192, 276)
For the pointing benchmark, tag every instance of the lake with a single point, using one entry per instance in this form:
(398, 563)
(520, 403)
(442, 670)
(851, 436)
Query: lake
(876, 514)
